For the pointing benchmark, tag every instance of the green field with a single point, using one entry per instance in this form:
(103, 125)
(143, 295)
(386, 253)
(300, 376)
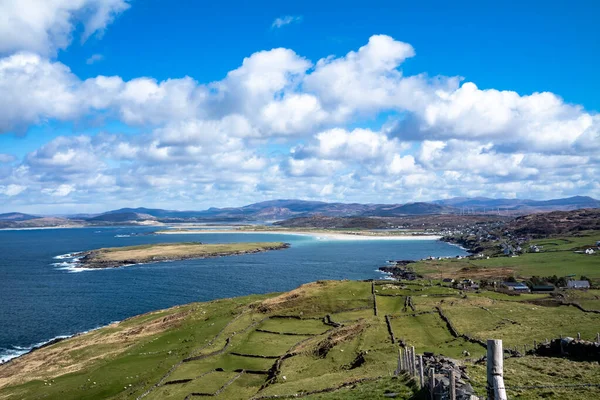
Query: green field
(146, 354)
(556, 257)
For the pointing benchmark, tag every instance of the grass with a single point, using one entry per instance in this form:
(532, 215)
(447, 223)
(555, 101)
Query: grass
(557, 257)
(140, 351)
(538, 371)
(170, 251)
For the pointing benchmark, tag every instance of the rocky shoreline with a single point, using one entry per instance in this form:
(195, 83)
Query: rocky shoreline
(400, 270)
(95, 259)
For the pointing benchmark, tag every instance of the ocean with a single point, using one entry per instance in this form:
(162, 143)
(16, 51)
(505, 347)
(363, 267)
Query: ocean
(43, 297)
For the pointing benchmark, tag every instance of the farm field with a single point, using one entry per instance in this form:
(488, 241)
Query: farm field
(557, 256)
(320, 341)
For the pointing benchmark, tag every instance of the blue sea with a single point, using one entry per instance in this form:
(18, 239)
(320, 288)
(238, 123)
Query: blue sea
(43, 297)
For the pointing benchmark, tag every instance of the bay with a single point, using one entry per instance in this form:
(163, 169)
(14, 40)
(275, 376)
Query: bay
(42, 298)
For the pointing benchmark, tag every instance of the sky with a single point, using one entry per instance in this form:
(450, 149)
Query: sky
(183, 104)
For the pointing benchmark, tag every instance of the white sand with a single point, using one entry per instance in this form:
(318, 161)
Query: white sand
(318, 235)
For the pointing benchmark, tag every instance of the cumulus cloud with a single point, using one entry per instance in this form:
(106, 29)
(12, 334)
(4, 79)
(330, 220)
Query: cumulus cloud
(12, 190)
(46, 26)
(280, 125)
(286, 20)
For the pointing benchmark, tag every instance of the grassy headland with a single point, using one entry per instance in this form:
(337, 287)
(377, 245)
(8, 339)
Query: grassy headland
(119, 256)
(308, 340)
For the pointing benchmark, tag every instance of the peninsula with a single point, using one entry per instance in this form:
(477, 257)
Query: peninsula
(120, 256)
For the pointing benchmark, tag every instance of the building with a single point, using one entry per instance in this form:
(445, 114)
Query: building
(519, 287)
(578, 285)
(543, 288)
(589, 251)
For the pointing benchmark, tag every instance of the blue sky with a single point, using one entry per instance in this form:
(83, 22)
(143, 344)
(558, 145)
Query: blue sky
(185, 104)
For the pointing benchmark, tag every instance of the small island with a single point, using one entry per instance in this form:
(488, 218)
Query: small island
(115, 257)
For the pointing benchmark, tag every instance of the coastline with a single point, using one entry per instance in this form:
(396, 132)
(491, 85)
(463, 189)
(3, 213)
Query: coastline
(23, 351)
(318, 235)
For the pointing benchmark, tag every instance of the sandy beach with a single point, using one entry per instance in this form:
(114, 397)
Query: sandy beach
(318, 235)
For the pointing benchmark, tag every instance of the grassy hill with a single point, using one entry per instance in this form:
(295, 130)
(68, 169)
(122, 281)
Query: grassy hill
(561, 256)
(305, 341)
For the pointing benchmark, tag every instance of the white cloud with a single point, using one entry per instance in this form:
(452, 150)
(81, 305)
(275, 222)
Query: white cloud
(94, 58)
(59, 191)
(286, 20)
(46, 26)
(34, 90)
(281, 126)
(12, 190)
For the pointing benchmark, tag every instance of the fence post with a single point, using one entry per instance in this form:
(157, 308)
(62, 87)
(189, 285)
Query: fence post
(495, 370)
(431, 383)
(597, 337)
(452, 385)
(399, 367)
(421, 377)
(413, 362)
(578, 336)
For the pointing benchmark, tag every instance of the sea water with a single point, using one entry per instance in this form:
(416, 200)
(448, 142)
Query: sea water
(42, 295)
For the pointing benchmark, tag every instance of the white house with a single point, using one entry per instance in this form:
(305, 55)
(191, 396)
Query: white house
(578, 285)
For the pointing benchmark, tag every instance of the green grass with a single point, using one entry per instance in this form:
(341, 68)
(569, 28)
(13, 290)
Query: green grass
(305, 326)
(370, 390)
(267, 344)
(557, 257)
(139, 351)
(539, 371)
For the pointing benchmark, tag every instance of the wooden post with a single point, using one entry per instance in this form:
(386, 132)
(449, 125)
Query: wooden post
(399, 367)
(413, 361)
(597, 337)
(431, 383)
(495, 370)
(421, 377)
(405, 359)
(578, 336)
(452, 385)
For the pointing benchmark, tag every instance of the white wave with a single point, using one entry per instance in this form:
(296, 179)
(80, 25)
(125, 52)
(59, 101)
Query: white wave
(66, 256)
(71, 263)
(17, 351)
(122, 236)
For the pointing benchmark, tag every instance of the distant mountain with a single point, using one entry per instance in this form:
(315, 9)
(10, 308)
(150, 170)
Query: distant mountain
(263, 211)
(289, 208)
(277, 210)
(15, 216)
(419, 208)
(122, 217)
(479, 204)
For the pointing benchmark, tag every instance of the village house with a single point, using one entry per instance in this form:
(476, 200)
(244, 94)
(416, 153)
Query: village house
(519, 287)
(589, 251)
(578, 284)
